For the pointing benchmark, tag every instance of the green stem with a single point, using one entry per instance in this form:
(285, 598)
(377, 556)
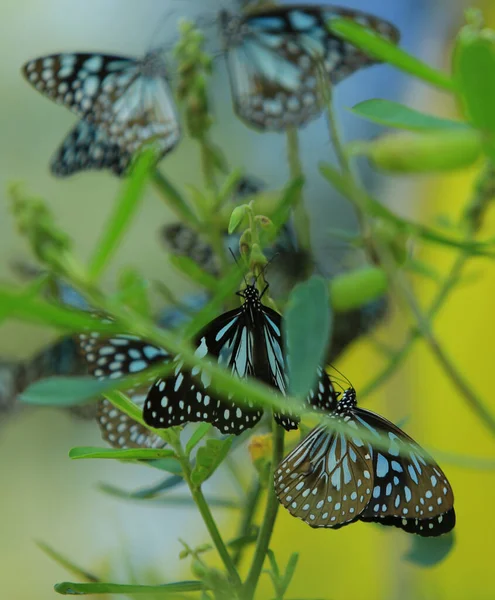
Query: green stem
(175, 200)
(268, 523)
(250, 506)
(358, 196)
(204, 509)
(301, 218)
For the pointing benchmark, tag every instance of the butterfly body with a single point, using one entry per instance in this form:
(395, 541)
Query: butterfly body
(332, 479)
(123, 104)
(273, 57)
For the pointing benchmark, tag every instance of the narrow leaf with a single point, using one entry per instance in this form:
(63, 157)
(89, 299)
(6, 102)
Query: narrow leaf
(308, 328)
(289, 573)
(126, 207)
(393, 114)
(133, 291)
(63, 391)
(388, 52)
(66, 563)
(430, 551)
(143, 493)
(199, 433)
(354, 289)
(195, 273)
(82, 589)
(119, 454)
(209, 458)
(174, 199)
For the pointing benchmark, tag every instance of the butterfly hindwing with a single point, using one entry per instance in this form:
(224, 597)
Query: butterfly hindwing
(410, 490)
(273, 55)
(89, 147)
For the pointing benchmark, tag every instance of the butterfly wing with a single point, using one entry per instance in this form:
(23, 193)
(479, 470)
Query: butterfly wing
(185, 396)
(272, 57)
(409, 491)
(113, 358)
(87, 147)
(326, 480)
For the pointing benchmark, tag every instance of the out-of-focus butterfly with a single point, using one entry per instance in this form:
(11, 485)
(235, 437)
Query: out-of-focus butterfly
(247, 341)
(123, 103)
(273, 56)
(332, 479)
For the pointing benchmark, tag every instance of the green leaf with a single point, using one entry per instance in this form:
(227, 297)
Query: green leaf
(388, 52)
(133, 291)
(351, 290)
(81, 589)
(66, 563)
(143, 493)
(237, 216)
(175, 200)
(430, 551)
(119, 454)
(289, 573)
(308, 326)
(199, 433)
(170, 465)
(123, 213)
(474, 65)
(195, 273)
(208, 459)
(63, 391)
(393, 114)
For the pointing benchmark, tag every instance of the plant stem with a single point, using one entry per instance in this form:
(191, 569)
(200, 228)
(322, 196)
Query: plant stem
(301, 218)
(251, 504)
(380, 252)
(204, 509)
(268, 523)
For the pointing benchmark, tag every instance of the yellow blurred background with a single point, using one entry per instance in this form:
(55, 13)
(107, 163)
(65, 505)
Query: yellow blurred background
(46, 497)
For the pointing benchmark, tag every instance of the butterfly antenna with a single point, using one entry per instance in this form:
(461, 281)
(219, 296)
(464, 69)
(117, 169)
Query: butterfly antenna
(239, 266)
(343, 376)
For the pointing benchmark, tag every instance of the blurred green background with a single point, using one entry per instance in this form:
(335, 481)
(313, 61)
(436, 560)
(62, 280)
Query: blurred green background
(45, 497)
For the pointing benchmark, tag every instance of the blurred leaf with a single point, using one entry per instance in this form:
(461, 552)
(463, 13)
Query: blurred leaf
(289, 197)
(307, 328)
(199, 433)
(15, 304)
(208, 459)
(170, 465)
(67, 588)
(474, 66)
(119, 454)
(130, 196)
(236, 218)
(393, 114)
(66, 563)
(63, 391)
(194, 272)
(443, 150)
(143, 493)
(134, 291)
(351, 290)
(174, 199)
(388, 52)
(289, 573)
(430, 551)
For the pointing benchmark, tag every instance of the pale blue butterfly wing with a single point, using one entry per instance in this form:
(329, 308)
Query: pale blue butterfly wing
(129, 99)
(273, 56)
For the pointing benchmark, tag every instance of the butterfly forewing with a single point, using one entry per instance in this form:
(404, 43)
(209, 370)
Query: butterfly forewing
(113, 358)
(408, 487)
(273, 57)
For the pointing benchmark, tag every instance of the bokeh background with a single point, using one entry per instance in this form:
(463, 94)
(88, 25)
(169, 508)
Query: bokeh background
(46, 497)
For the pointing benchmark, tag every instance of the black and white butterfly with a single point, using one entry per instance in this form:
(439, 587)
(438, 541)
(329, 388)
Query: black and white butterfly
(246, 340)
(124, 103)
(332, 479)
(273, 56)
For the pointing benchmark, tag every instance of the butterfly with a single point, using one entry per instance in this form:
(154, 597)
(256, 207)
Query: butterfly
(332, 479)
(123, 103)
(246, 340)
(273, 55)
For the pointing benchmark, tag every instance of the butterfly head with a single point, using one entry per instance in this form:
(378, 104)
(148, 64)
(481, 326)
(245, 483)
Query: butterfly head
(347, 403)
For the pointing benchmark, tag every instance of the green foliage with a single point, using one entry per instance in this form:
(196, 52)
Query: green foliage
(433, 143)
